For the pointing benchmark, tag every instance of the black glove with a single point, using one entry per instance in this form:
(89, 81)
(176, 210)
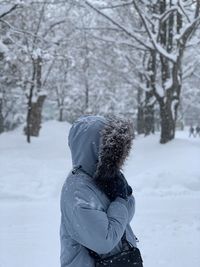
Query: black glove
(120, 187)
(115, 186)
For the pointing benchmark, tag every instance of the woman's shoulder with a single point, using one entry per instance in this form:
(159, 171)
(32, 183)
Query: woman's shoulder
(79, 182)
(80, 191)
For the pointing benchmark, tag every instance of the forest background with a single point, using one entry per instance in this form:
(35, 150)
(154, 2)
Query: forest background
(62, 59)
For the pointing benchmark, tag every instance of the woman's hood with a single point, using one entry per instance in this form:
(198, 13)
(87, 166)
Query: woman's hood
(100, 144)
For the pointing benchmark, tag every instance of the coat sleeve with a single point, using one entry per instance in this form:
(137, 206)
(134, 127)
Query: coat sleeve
(131, 208)
(95, 228)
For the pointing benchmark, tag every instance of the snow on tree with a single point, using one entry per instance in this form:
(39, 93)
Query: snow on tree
(167, 26)
(129, 58)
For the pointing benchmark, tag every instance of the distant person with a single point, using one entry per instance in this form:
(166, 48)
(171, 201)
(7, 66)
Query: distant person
(198, 131)
(191, 131)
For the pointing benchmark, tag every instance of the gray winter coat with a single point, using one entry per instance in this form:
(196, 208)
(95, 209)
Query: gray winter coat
(88, 218)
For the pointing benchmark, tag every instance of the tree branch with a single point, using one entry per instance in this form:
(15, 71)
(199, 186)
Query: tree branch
(162, 18)
(183, 10)
(197, 9)
(188, 30)
(9, 11)
(52, 26)
(116, 6)
(118, 25)
(100, 38)
(19, 31)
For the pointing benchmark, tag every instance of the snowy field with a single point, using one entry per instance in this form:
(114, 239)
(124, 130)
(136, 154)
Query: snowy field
(165, 180)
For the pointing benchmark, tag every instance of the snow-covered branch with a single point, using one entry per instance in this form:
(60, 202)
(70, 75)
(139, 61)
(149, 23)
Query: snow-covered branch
(188, 30)
(181, 6)
(152, 37)
(25, 32)
(127, 32)
(53, 26)
(162, 18)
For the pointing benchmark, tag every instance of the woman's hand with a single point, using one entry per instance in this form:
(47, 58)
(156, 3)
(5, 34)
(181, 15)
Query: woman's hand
(117, 186)
(121, 188)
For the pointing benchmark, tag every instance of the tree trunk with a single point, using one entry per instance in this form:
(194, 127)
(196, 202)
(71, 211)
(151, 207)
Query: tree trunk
(140, 120)
(149, 120)
(36, 116)
(60, 114)
(149, 106)
(1, 117)
(86, 66)
(168, 122)
(140, 113)
(86, 94)
(37, 106)
(27, 128)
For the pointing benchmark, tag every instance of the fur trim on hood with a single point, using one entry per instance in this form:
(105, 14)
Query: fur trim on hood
(115, 145)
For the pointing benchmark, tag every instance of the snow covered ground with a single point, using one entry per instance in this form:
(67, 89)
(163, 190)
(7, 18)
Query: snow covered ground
(166, 183)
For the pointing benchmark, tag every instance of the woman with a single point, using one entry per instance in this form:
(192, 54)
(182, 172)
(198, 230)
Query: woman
(96, 201)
